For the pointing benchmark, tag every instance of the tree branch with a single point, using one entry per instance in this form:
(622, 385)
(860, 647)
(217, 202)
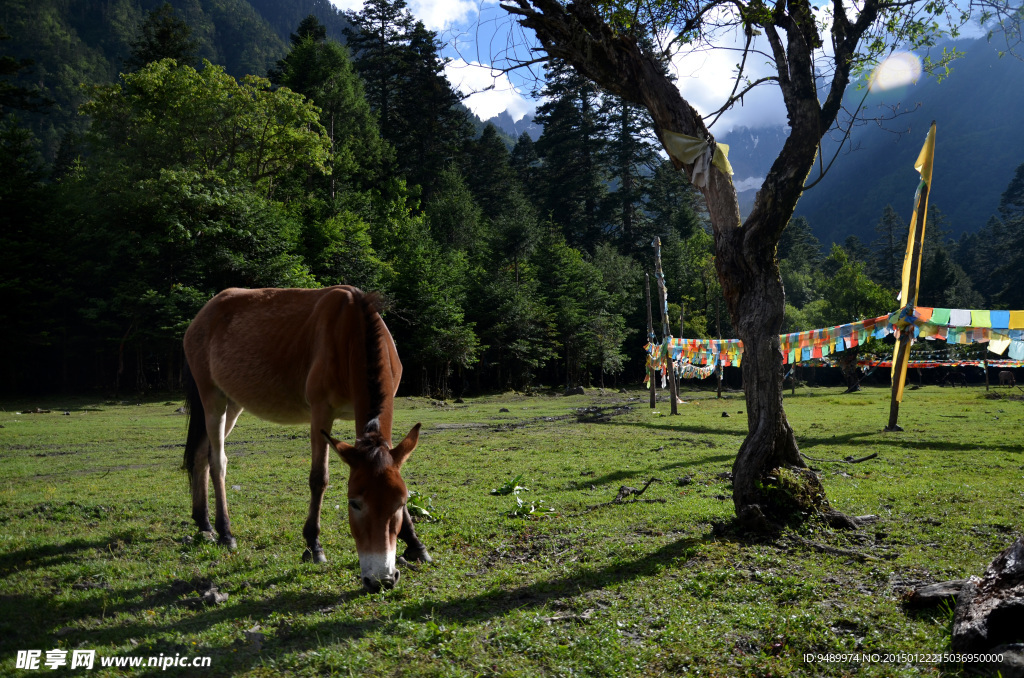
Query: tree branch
(733, 98)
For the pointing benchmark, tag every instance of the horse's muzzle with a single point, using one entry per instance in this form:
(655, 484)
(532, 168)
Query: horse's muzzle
(387, 582)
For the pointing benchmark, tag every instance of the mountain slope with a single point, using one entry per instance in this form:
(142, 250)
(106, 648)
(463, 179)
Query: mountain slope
(284, 16)
(87, 42)
(979, 144)
(515, 129)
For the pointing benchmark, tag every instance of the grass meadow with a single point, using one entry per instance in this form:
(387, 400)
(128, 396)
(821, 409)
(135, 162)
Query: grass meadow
(97, 548)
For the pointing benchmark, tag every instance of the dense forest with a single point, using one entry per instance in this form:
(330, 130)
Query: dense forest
(195, 163)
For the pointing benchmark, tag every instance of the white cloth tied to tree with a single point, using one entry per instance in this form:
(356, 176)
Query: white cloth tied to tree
(697, 152)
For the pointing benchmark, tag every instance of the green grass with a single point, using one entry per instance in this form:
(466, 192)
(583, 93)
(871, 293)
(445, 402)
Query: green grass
(95, 550)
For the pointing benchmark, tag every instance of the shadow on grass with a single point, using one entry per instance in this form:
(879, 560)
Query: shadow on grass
(906, 440)
(51, 555)
(616, 476)
(227, 658)
(498, 602)
(681, 427)
(50, 614)
(613, 477)
(699, 462)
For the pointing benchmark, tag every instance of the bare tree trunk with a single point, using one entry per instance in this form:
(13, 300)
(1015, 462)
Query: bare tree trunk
(770, 442)
(652, 373)
(721, 368)
(848, 366)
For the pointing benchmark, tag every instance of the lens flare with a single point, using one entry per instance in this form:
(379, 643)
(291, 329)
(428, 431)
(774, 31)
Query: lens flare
(899, 70)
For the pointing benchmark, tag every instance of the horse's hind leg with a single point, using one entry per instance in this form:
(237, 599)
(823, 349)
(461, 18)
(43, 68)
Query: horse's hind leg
(201, 488)
(220, 419)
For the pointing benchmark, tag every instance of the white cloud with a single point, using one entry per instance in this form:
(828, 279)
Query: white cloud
(706, 79)
(348, 4)
(437, 15)
(748, 184)
(490, 91)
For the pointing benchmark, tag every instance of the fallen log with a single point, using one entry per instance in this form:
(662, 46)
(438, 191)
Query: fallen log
(933, 595)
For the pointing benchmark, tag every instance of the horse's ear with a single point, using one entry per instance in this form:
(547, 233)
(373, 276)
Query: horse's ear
(340, 446)
(401, 451)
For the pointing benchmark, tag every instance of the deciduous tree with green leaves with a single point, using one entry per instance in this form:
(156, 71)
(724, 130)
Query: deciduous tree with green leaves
(184, 194)
(171, 116)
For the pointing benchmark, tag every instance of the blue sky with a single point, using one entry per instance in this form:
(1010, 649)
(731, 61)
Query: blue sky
(477, 35)
(480, 38)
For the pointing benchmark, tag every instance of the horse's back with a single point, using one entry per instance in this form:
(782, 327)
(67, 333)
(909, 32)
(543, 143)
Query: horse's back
(259, 346)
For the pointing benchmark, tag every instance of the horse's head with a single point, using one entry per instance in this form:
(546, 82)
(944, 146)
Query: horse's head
(376, 500)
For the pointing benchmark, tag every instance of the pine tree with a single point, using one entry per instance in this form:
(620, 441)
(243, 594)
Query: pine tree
(1006, 262)
(321, 70)
(1011, 203)
(799, 246)
(454, 218)
(674, 206)
(436, 126)
(379, 47)
(890, 248)
(516, 326)
(943, 282)
(418, 110)
(515, 232)
(488, 173)
(573, 177)
(163, 36)
(525, 162)
(632, 157)
(310, 27)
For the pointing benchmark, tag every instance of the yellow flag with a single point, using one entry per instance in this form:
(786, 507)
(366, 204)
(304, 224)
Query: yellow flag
(914, 242)
(924, 166)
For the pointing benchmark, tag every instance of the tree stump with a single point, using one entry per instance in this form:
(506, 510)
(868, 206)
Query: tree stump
(990, 611)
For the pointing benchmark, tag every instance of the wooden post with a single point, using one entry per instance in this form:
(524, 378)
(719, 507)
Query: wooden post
(903, 343)
(666, 331)
(718, 321)
(650, 337)
(682, 318)
(910, 299)
(985, 363)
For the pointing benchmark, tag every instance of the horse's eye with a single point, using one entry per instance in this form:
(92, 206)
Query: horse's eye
(355, 504)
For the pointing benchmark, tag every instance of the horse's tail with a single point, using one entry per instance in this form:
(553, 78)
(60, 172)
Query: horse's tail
(196, 422)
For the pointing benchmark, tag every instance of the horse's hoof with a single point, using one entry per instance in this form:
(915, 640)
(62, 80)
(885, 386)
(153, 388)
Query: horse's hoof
(207, 535)
(229, 542)
(315, 556)
(417, 556)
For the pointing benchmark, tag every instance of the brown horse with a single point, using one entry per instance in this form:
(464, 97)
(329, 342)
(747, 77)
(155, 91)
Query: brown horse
(1006, 378)
(293, 356)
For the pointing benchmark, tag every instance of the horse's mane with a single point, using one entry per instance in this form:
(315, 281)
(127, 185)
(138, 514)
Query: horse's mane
(374, 336)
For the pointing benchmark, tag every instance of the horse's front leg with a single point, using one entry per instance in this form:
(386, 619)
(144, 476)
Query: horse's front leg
(416, 551)
(319, 477)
